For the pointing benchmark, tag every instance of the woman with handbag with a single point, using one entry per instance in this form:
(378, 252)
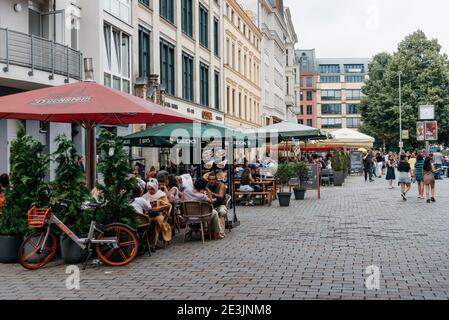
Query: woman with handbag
(429, 179)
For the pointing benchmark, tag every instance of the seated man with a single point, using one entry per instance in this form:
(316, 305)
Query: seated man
(218, 192)
(200, 193)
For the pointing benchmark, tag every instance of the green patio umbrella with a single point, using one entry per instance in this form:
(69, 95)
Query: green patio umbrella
(168, 135)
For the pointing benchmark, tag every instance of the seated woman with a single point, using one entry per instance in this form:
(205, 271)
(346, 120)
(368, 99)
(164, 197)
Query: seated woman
(248, 185)
(140, 204)
(160, 204)
(200, 193)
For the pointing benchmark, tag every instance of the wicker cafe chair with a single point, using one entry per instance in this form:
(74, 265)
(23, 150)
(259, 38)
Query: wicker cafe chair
(143, 223)
(197, 212)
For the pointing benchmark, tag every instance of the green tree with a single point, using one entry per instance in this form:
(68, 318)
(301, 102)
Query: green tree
(29, 165)
(425, 80)
(118, 184)
(70, 184)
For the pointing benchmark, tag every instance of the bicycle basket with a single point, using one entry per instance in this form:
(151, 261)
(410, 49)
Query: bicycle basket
(38, 217)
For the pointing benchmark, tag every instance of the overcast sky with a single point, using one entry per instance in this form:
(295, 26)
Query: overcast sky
(362, 28)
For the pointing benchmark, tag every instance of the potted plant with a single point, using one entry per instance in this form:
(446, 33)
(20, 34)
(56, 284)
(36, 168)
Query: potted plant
(283, 176)
(338, 167)
(29, 165)
(300, 171)
(70, 189)
(118, 184)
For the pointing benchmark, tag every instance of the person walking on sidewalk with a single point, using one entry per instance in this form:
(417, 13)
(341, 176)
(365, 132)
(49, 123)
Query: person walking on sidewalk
(380, 163)
(390, 171)
(404, 176)
(419, 175)
(367, 166)
(429, 179)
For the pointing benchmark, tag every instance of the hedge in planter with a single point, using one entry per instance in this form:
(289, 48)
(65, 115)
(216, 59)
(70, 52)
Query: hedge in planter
(29, 165)
(118, 184)
(70, 184)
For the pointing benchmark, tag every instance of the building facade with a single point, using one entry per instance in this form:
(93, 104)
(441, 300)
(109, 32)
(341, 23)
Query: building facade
(291, 70)
(339, 92)
(306, 87)
(40, 46)
(271, 22)
(242, 43)
(181, 43)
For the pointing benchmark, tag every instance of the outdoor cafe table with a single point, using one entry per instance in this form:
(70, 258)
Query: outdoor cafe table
(264, 184)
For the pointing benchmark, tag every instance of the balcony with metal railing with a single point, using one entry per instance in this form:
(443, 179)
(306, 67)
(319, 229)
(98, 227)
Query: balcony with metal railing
(35, 53)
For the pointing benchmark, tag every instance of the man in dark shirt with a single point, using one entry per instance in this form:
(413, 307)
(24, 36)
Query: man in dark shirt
(367, 165)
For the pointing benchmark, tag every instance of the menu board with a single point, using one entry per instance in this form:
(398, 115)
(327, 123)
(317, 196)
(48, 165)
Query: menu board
(356, 161)
(215, 158)
(313, 178)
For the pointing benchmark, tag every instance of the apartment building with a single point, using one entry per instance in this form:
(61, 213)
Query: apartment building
(339, 92)
(180, 42)
(39, 47)
(271, 22)
(292, 72)
(306, 87)
(242, 43)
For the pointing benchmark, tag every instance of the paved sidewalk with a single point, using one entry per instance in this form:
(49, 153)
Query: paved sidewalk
(311, 250)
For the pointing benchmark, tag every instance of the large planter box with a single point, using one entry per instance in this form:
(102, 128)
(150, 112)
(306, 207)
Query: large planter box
(338, 178)
(71, 253)
(9, 249)
(299, 194)
(284, 198)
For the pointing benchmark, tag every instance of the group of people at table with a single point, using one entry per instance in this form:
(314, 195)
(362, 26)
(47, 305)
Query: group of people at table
(161, 191)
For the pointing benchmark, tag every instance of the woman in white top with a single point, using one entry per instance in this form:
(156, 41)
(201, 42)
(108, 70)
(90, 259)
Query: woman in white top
(139, 204)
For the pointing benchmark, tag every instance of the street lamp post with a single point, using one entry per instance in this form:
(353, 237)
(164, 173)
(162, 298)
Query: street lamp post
(401, 143)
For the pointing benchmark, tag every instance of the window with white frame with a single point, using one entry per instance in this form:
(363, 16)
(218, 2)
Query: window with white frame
(116, 57)
(120, 9)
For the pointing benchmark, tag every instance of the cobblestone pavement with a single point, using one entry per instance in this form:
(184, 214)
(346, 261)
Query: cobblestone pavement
(313, 249)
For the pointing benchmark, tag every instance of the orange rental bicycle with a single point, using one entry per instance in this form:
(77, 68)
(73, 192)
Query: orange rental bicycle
(115, 244)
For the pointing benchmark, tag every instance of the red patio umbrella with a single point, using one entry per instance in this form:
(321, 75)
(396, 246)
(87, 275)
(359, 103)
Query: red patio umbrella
(88, 104)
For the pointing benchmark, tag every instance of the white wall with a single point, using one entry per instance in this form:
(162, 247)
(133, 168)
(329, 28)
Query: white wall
(17, 21)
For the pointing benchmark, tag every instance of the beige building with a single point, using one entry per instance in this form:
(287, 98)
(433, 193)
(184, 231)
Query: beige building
(242, 45)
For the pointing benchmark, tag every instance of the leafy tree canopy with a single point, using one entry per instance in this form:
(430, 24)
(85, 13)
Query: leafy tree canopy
(425, 80)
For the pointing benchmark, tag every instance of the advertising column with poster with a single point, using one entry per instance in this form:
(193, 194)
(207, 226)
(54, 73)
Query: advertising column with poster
(427, 127)
(431, 130)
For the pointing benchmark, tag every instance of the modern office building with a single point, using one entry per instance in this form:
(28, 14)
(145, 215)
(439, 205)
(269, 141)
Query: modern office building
(242, 43)
(306, 87)
(40, 46)
(339, 92)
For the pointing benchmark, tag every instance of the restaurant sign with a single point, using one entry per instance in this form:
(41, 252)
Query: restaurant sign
(61, 100)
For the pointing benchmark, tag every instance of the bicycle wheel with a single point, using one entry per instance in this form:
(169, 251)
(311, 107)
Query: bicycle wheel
(127, 245)
(30, 254)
